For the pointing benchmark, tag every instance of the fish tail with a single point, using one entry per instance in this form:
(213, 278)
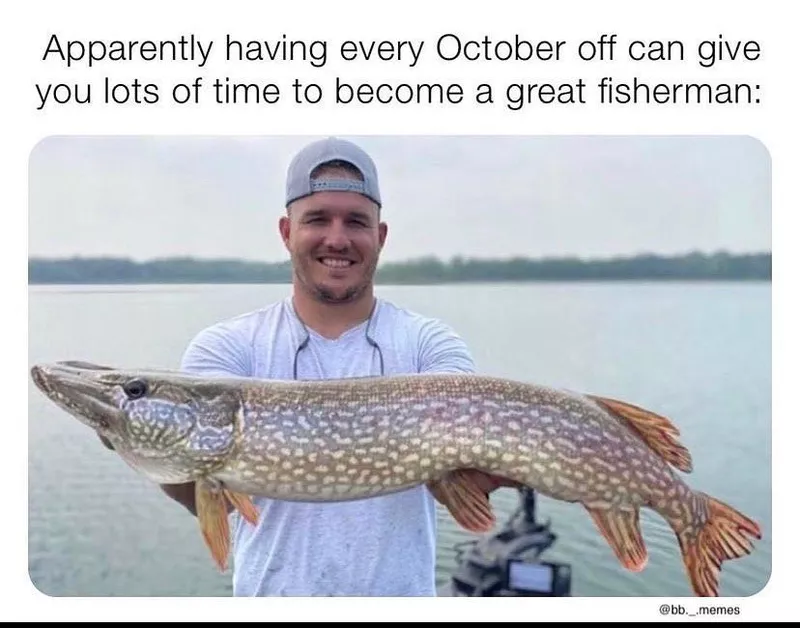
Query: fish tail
(716, 532)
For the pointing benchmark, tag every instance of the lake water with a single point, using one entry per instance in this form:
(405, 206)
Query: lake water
(698, 353)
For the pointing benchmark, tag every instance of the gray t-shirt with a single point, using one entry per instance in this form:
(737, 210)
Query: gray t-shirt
(382, 546)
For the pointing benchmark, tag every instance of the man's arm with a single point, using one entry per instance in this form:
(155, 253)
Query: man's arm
(442, 350)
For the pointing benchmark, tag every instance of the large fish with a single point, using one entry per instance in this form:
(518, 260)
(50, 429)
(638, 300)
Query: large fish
(358, 438)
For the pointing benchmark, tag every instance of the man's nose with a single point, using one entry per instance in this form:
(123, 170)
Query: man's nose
(336, 236)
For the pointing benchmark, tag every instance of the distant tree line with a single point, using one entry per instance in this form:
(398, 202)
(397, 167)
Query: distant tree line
(720, 266)
(110, 270)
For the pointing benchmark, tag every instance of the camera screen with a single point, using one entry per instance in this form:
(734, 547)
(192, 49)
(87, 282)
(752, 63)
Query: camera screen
(530, 577)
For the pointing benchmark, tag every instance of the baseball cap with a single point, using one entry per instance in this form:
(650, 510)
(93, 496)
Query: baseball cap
(298, 176)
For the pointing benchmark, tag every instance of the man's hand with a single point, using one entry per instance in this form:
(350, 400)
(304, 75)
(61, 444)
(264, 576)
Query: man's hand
(465, 494)
(484, 482)
(181, 493)
(488, 482)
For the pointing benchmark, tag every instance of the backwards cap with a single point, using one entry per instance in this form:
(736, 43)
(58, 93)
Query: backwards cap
(298, 176)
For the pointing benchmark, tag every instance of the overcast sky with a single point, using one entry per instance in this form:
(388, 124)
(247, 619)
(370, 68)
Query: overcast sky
(147, 197)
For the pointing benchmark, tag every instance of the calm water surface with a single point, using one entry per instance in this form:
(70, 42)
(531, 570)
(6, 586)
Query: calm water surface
(699, 353)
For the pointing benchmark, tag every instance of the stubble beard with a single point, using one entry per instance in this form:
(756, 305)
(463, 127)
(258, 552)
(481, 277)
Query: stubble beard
(323, 294)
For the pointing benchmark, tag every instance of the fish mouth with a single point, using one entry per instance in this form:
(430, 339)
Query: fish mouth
(38, 376)
(75, 387)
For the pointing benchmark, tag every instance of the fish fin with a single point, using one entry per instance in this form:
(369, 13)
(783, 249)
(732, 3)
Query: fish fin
(660, 434)
(212, 513)
(467, 502)
(621, 529)
(723, 536)
(243, 504)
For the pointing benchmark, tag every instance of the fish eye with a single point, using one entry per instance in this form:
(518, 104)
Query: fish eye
(135, 388)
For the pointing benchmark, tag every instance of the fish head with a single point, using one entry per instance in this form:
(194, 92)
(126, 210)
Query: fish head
(173, 427)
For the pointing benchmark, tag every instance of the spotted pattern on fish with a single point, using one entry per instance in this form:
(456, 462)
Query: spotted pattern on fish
(356, 438)
(407, 430)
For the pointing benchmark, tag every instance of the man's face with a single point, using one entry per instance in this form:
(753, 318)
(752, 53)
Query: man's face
(334, 239)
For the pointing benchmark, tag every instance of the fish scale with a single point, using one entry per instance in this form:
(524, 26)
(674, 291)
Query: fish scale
(335, 440)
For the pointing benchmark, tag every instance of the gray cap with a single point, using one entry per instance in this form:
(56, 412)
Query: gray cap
(298, 177)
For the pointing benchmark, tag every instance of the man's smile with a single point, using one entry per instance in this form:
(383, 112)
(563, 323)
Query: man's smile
(335, 262)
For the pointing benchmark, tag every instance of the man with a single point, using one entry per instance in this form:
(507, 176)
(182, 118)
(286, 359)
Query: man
(331, 326)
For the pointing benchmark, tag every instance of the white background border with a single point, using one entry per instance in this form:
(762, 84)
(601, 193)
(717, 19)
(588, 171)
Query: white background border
(26, 29)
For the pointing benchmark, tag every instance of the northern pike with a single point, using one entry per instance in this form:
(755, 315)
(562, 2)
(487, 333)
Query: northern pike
(335, 440)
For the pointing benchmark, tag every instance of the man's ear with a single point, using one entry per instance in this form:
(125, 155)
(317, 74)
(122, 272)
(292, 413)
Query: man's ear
(383, 230)
(285, 229)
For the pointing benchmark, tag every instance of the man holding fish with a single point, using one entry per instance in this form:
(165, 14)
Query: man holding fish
(326, 425)
(332, 326)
